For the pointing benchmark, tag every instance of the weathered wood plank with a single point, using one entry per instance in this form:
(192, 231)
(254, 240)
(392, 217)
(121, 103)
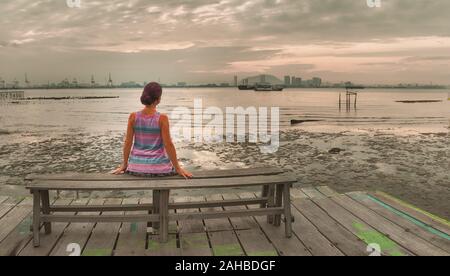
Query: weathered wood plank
(13, 244)
(197, 175)
(298, 194)
(239, 223)
(225, 243)
(249, 242)
(312, 192)
(48, 241)
(413, 243)
(361, 229)
(162, 184)
(221, 224)
(189, 226)
(284, 246)
(409, 224)
(277, 235)
(103, 237)
(149, 206)
(430, 219)
(7, 205)
(75, 233)
(3, 199)
(255, 243)
(156, 248)
(314, 241)
(340, 237)
(133, 236)
(326, 191)
(14, 217)
(195, 244)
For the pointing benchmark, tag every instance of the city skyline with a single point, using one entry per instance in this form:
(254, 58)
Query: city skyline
(403, 41)
(288, 82)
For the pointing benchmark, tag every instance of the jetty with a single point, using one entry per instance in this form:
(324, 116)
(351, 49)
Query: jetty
(13, 95)
(326, 223)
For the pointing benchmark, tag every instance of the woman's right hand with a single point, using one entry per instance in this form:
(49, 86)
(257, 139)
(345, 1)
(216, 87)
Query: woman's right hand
(184, 173)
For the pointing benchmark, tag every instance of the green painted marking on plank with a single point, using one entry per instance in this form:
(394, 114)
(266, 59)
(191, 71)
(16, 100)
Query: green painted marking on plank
(97, 252)
(154, 245)
(195, 241)
(228, 250)
(434, 217)
(375, 237)
(133, 228)
(410, 218)
(24, 226)
(262, 253)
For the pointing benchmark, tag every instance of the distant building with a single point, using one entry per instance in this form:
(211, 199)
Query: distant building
(131, 84)
(296, 81)
(235, 81)
(263, 79)
(316, 82)
(225, 84)
(287, 80)
(182, 84)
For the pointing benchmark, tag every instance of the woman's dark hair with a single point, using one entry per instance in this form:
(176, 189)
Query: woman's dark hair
(152, 93)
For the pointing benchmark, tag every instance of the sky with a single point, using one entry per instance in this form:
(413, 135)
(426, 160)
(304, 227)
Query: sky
(205, 41)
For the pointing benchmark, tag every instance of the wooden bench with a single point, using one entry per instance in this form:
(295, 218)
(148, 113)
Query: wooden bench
(274, 200)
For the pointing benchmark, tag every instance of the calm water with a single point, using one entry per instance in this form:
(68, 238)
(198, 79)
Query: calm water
(377, 110)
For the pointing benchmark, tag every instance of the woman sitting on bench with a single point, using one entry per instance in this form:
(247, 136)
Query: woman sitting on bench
(152, 154)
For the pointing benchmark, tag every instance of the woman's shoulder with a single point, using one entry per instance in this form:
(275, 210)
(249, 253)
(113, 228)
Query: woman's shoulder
(163, 117)
(133, 115)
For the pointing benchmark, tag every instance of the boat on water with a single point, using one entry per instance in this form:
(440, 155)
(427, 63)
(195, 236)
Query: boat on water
(268, 88)
(246, 87)
(261, 87)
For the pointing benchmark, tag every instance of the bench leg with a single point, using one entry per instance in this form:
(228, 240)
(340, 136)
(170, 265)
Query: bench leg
(156, 202)
(164, 216)
(278, 203)
(36, 217)
(287, 209)
(45, 197)
(270, 202)
(264, 193)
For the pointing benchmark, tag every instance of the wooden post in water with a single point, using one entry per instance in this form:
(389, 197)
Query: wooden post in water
(348, 98)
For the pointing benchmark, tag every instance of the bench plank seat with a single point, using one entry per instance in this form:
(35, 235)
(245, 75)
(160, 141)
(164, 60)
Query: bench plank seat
(160, 184)
(127, 177)
(158, 213)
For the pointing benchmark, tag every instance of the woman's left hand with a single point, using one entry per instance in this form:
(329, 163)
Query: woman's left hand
(120, 170)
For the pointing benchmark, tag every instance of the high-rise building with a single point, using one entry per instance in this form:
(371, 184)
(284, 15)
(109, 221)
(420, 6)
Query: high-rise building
(287, 80)
(235, 81)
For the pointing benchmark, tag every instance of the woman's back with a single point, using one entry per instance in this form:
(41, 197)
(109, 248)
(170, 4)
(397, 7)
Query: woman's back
(148, 155)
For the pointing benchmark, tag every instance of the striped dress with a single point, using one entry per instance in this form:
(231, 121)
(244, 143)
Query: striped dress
(148, 156)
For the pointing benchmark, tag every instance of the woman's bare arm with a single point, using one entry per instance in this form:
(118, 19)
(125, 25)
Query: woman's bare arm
(170, 148)
(127, 145)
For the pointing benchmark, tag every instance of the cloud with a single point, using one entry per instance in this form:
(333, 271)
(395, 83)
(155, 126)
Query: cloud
(201, 38)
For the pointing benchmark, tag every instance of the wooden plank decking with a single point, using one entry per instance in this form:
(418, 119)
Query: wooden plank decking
(326, 223)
